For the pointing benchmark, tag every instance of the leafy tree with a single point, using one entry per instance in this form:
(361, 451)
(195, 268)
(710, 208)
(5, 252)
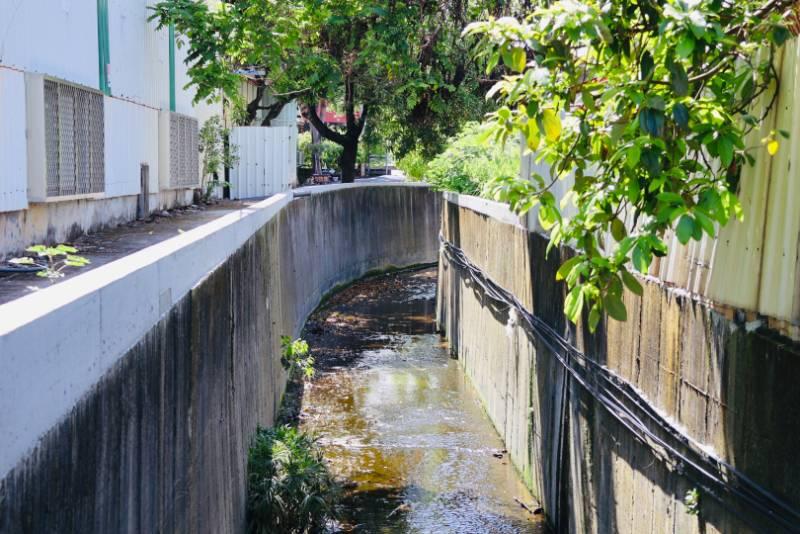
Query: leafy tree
(467, 165)
(650, 106)
(403, 62)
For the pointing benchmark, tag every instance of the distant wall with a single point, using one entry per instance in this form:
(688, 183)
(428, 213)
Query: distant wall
(60, 40)
(729, 388)
(129, 393)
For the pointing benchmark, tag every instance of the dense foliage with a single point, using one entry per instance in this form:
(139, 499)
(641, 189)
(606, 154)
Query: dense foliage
(468, 165)
(289, 486)
(413, 164)
(403, 62)
(651, 107)
(329, 152)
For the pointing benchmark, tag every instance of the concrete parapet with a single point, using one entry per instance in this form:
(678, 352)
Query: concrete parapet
(129, 393)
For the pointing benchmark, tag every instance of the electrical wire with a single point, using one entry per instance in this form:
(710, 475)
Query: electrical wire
(633, 411)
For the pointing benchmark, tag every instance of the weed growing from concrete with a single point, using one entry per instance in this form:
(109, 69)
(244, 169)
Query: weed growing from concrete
(51, 261)
(294, 356)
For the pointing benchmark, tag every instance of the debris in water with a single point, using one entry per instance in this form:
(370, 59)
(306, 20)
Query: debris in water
(403, 508)
(535, 511)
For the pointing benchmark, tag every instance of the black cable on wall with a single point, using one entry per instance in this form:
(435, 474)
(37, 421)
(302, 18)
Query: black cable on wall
(668, 444)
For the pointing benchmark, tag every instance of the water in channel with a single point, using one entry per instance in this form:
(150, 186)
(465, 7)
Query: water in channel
(400, 422)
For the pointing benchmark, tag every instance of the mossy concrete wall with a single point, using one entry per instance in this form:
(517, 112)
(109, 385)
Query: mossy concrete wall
(733, 390)
(159, 443)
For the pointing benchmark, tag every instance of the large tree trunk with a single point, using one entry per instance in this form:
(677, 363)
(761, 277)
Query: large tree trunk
(347, 140)
(347, 161)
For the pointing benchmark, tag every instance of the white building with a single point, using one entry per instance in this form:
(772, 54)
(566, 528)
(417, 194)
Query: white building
(95, 123)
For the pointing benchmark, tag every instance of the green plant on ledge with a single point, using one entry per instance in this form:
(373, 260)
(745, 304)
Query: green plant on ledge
(289, 486)
(51, 260)
(217, 153)
(294, 355)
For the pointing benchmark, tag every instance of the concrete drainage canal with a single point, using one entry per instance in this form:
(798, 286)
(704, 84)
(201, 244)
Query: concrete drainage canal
(398, 421)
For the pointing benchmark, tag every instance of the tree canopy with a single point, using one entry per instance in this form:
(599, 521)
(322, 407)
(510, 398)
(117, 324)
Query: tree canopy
(651, 106)
(403, 62)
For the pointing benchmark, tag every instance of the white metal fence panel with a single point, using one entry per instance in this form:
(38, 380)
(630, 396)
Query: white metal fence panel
(55, 38)
(13, 143)
(267, 160)
(130, 142)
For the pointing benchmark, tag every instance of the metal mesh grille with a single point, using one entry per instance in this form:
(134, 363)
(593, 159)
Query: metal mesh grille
(184, 158)
(74, 140)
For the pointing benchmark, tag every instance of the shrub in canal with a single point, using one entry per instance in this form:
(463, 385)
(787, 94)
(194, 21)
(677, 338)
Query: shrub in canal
(289, 486)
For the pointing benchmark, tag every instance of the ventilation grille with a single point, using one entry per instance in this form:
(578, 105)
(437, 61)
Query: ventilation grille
(74, 140)
(184, 161)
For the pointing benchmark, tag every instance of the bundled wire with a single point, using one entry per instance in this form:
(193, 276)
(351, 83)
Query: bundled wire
(678, 451)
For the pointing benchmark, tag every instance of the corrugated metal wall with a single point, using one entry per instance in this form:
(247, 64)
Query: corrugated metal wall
(754, 264)
(54, 38)
(60, 40)
(13, 160)
(267, 160)
(131, 140)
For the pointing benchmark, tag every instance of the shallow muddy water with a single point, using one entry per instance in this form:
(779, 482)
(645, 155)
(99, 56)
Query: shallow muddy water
(399, 421)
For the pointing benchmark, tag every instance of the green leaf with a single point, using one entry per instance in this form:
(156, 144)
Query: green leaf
(567, 267)
(615, 307)
(633, 155)
(552, 125)
(646, 65)
(704, 222)
(780, 34)
(680, 113)
(725, 149)
(748, 88)
(652, 161)
(670, 198)
(679, 79)
(632, 283)
(685, 46)
(685, 229)
(641, 259)
(532, 137)
(618, 231)
(594, 318)
(494, 59)
(651, 121)
(518, 59)
(588, 100)
(573, 305)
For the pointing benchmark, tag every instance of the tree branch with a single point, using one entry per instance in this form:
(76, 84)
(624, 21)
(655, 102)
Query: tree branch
(310, 113)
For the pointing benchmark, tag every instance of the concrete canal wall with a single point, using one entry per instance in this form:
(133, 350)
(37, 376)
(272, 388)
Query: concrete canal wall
(708, 370)
(129, 393)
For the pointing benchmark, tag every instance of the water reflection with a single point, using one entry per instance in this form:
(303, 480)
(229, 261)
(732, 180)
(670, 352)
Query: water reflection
(397, 418)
